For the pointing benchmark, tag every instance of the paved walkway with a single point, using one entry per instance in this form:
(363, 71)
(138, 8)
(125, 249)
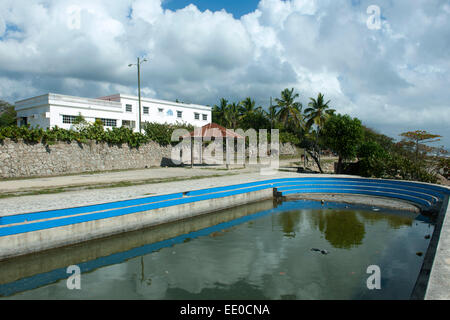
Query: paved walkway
(87, 179)
(141, 176)
(41, 202)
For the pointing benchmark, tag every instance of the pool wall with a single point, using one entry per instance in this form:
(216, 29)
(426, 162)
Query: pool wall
(24, 272)
(37, 231)
(71, 233)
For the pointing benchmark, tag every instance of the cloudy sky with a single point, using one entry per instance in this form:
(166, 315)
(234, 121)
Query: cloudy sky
(392, 72)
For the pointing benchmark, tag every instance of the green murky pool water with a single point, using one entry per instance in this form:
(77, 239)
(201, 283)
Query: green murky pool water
(257, 251)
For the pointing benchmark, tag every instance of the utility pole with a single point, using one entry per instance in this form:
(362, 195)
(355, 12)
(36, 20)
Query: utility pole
(139, 92)
(271, 115)
(139, 62)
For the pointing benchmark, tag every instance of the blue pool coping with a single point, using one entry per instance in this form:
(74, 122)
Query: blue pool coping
(426, 196)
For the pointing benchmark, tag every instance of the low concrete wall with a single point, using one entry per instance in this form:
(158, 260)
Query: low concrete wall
(29, 242)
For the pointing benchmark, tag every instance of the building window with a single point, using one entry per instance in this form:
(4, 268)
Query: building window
(197, 116)
(160, 110)
(179, 114)
(169, 113)
(205, 117)
(129, 124)
(146, 110)
(23, 121)
(108, 122)
(68, 119)
(128, 108)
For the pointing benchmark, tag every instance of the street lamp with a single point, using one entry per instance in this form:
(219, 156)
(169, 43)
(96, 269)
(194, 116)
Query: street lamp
(139, 62)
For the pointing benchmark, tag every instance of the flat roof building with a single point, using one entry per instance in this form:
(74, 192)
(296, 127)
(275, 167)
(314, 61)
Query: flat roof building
(49, 110)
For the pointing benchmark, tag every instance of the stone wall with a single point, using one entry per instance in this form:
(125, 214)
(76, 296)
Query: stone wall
(288, 149)
(19, 159)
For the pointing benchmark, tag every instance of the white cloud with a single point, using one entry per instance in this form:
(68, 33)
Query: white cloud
(83, 47)
(2, 26)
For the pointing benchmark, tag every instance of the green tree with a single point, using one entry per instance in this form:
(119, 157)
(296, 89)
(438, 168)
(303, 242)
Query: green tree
(271, 115)
(248, 107)
(311, 144)
(252, 116)
(7, 114)
(372, 159)
(219, 111)
(232, 115)
(420, 138)
(290, 111)
(316, 115)
(343, 135)
(370, 135)
(318, 112)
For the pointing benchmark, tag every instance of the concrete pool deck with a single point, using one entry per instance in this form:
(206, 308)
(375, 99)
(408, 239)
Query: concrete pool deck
(438, 285)
(184, 182)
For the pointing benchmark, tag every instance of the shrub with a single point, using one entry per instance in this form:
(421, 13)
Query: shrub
(93, 132)
(162, 133)
(372, 160)
(286, 136)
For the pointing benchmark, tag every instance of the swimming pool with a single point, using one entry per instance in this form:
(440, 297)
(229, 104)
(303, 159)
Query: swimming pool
(262, 250)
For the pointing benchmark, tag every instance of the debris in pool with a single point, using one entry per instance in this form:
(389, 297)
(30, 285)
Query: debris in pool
(322, 251)
(427, 236)
(376, 209)
(419, 253)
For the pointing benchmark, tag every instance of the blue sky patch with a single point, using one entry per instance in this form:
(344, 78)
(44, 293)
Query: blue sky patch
(236, 7)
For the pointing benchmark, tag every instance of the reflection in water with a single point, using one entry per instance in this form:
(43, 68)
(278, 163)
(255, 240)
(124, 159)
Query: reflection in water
(289, 221)
(261, 253)
(395, 221)
(341, 228)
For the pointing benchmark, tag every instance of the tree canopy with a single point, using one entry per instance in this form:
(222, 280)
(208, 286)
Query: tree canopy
(7, 114)
(343, 135)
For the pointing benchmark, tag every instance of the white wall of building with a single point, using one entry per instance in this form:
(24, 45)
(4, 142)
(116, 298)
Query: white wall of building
(48, 110)
(35, 110)
(169, 110)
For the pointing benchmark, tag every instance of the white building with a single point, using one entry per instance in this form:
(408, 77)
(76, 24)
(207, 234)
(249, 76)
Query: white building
(117, 110)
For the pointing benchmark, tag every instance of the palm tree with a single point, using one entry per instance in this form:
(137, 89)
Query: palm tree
(318, 112)
(248, 106)
(232, 114)
(248, 111)
(290, 111)
(220, 111)
(271, 115)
